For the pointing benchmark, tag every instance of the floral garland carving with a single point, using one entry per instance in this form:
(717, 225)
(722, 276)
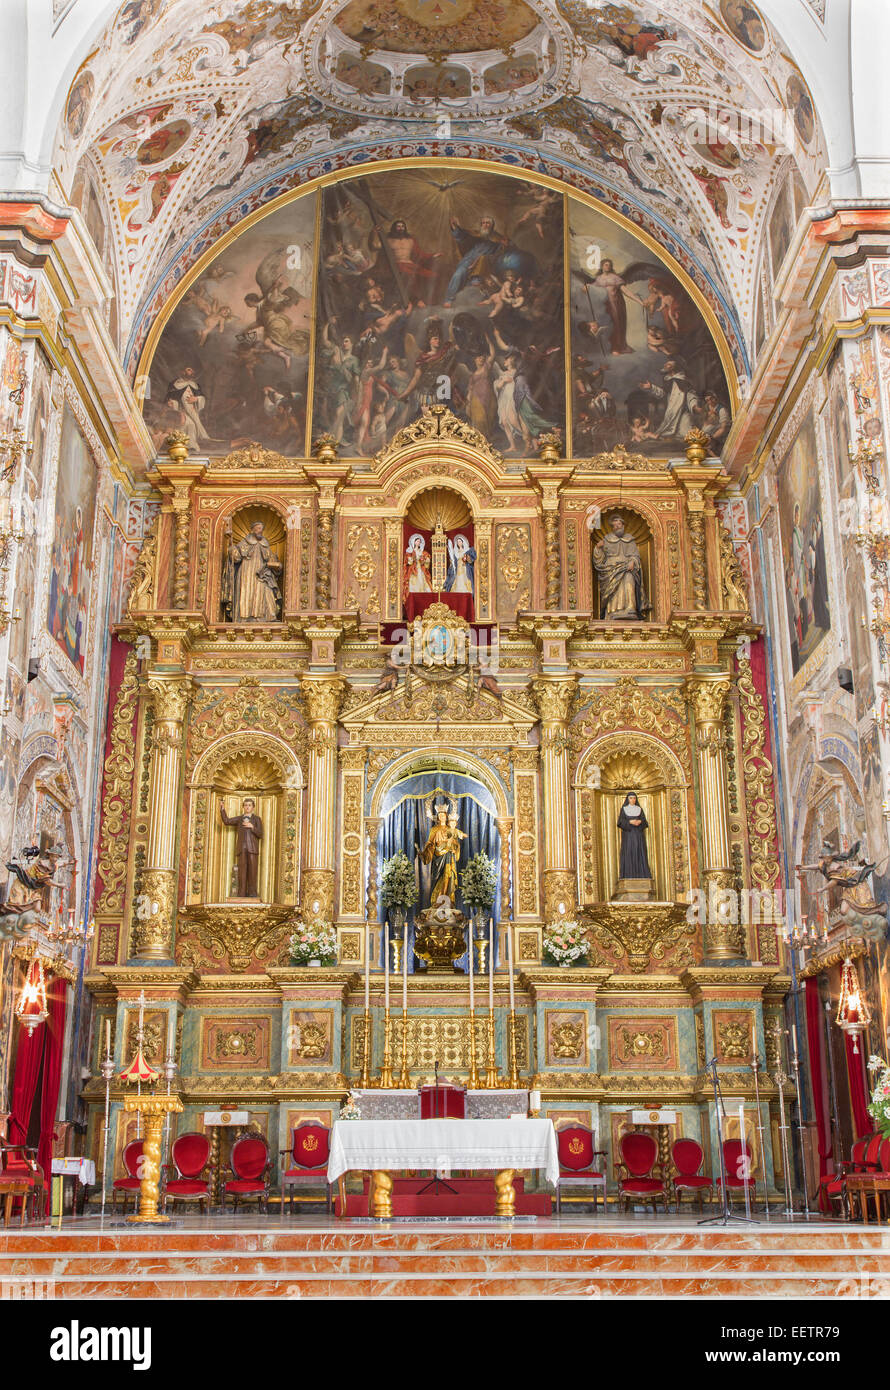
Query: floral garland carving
(249, 706)
(120, 766)
(758, 774)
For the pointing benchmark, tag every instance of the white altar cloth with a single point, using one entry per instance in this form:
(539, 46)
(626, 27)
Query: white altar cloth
(392, 1145)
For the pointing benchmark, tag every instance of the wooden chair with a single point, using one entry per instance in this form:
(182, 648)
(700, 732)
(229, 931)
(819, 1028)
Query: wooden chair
(21, 1176)
(190, 1157)
(576, 1163)
(687, 1156)
(310, 1153)
(640, 1174)
(251, 1170)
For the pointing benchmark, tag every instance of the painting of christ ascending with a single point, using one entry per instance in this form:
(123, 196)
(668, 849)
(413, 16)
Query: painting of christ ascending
(440, 288)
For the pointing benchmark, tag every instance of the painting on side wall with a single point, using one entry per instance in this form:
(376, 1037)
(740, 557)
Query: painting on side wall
(232, 364)
(71, 562)
(645, 370)
(780, 230)
(440, 287)
(803, 546)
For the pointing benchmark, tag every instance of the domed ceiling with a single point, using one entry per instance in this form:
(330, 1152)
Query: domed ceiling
(690, 120)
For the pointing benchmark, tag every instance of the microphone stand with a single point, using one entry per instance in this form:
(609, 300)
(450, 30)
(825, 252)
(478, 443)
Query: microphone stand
(436, 1182)
(720, 1114)
(781, 1078)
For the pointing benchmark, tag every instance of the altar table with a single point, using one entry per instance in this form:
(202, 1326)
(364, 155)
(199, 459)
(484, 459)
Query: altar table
(384, 1146)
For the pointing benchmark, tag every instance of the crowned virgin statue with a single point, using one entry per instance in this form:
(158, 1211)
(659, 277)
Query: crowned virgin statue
(441, 852)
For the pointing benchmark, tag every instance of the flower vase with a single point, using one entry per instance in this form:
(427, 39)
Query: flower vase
(316, 964)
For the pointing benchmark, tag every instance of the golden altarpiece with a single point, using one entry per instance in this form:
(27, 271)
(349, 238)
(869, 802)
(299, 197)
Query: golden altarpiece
(307, 713)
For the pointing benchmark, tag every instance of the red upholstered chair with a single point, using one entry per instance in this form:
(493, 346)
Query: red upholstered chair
(190, 1156)
(637, 1169)
(21, 1176)
(687, 1156)
(451, 1103)
(577, 1167)
(310, 1153)
(737, 1161)
(834, 1185)
(251, 1171)
(132, 1157)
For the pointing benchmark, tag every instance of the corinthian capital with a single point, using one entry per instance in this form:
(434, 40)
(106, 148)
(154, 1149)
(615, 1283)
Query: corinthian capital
(323, 696)
(555, 698)
(708, 695)
(170, 697)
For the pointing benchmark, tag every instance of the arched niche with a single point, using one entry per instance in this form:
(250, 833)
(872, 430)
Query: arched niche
(245, 765)
(438, 525)
(611, 767)
(638, 529)
(232, 589)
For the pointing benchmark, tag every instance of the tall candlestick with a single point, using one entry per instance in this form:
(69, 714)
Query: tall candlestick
(405, 969)
(108, 1037)
(491, 962)
(472, 997)
(386, 966)
(171, 1031)
(510, 964)
(367, 967)
(473, 1082)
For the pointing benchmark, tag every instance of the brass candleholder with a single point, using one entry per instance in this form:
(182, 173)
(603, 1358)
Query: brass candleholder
(404, 1078)
(396, 944)
(386, 1081)
(491, 1070)
(366, 1053)
(473, 1079)
(513, 1078)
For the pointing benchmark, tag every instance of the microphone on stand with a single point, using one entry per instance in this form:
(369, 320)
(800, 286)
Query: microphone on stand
(436, 1066)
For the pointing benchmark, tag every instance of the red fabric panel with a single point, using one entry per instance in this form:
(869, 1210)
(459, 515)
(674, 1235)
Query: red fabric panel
(450, 1105)
(249, 1158)
(639, 1152)
(185, 1187)
(57, 1003)
(312, 1145)
(688, 1157)
(190, 1152)
(24, 1085)
(575, 1146)
(817, 1074)
(862, 1121)
(461, 604)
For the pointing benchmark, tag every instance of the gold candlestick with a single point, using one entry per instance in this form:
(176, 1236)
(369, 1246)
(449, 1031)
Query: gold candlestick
(396, 944)
(491, 1070)
(473, 1079)
(386, 1080)
(366, 1052)
(404, 1078)
(513, 1079)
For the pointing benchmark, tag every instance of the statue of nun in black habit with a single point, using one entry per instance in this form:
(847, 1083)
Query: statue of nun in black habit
(632, 822)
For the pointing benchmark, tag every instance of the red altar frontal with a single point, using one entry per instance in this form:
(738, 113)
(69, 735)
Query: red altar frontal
(467, 1196)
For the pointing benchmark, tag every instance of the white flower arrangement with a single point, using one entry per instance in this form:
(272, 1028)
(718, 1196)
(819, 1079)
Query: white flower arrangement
(565, 942)
(313, 941)
(880, 1096)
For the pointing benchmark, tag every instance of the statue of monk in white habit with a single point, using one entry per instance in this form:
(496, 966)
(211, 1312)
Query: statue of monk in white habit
(251, 589)
(619, 569)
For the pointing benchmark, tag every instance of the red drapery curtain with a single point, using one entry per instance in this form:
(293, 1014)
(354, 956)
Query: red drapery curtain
(57, 1003)
(817, 1073)
(862, 1121)
(24, 1084)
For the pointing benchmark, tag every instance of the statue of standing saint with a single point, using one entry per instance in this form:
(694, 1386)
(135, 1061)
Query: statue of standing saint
(251, 579)
(619, 569)
(442, 851)
(248, 833)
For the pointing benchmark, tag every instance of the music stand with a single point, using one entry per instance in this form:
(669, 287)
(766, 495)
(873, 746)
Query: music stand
(726, 1215)
(436, 1182)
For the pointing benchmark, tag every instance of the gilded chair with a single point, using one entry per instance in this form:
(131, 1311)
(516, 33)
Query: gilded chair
(640, 1176)
(190, 1157)
(251, 1170)
(310, 1152)
(577, 1167)
(132, 1158)
(687, 1156)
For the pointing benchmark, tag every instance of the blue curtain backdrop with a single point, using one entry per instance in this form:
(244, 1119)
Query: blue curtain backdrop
(406, 826)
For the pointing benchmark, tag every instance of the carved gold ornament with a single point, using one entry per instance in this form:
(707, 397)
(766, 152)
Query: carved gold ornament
(567, 1040)
(120, 767)
(757, 772)
(439, 423)
(234, 935)
(641, 1043)
(734, 1040)
(641, 932)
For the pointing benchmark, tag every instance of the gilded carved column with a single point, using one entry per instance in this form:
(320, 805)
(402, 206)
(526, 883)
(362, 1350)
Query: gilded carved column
(175, 477)
(707, 696)
(548, 478)
(555, 696)
(152, 934)
(329, 476)
(701, 482)
(372, 830)
(505, 826)
(323, 695)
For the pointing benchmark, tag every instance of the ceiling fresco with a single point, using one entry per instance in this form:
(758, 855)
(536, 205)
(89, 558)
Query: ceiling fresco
(685, 118)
